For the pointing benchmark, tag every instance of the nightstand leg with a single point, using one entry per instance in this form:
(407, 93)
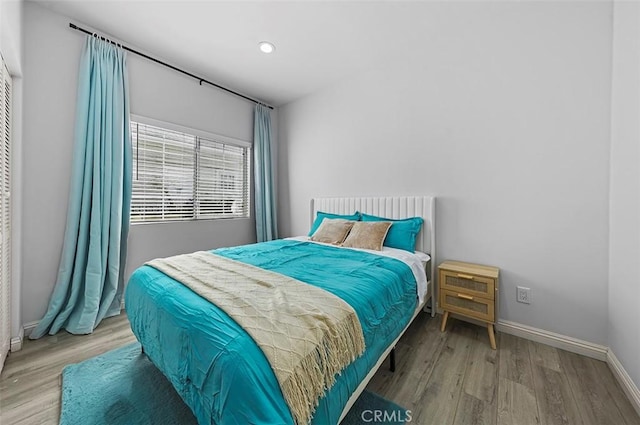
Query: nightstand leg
(444, 321)
(492, 337)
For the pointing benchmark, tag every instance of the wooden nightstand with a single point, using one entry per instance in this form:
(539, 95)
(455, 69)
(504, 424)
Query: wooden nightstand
(470, 290)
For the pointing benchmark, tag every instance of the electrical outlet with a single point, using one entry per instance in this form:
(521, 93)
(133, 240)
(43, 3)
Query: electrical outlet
(524, 295)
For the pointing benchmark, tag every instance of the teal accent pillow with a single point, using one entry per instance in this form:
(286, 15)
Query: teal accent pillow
(402, 233)
(322, 215)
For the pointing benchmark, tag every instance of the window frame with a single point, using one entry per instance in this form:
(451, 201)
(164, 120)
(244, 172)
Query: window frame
(197, 133)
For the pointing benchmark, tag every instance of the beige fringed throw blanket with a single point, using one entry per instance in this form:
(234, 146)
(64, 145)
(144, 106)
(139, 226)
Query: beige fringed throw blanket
(307, 334)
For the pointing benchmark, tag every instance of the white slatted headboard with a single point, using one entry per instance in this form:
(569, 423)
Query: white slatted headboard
(391, 207)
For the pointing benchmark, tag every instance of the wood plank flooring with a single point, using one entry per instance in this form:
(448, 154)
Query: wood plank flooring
(463, 381)
(450, 378)
(30, 380)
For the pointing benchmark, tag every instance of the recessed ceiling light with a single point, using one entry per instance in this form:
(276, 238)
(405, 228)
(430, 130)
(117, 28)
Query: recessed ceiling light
(266, 47)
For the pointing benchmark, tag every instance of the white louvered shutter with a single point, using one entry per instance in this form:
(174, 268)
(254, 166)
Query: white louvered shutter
(5, 213)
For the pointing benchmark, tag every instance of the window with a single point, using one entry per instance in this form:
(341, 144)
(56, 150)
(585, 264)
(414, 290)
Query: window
(184, 174)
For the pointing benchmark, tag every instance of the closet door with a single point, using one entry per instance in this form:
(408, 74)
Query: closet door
(5, 213)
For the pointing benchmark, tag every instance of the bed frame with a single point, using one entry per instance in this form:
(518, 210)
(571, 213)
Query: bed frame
(391, 207)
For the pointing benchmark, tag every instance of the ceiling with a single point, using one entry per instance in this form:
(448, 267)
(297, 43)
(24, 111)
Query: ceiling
(317, 43)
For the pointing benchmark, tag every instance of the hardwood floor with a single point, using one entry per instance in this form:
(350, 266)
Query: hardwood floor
(455, 378)
(450, 378)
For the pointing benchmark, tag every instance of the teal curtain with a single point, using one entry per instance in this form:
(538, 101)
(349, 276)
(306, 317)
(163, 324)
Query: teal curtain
(89, 283)
(265, 204)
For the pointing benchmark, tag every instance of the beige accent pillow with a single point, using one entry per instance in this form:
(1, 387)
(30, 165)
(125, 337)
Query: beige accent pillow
(368, 235)
(332, 230)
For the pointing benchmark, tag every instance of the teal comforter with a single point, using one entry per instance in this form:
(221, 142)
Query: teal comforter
(217, 368)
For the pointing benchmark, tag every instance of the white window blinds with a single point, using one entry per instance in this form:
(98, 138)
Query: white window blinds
(222, 179)
(5, 212)
(183, 176)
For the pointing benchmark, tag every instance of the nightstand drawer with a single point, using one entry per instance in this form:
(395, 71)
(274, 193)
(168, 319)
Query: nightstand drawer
(478, 286)
(469, 305)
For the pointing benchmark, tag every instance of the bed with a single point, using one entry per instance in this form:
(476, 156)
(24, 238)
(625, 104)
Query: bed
(217, 368)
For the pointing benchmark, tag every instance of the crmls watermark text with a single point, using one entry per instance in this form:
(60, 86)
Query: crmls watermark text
(382, 416)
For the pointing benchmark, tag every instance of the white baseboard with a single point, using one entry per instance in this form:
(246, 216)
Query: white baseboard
(16, 342)
(28, 328)
(625, 381)
(563, 342)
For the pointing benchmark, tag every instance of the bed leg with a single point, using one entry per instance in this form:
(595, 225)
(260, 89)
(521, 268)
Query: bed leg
(142, 350)
(392, 360)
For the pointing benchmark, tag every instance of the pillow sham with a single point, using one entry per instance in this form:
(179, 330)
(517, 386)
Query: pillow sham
(322, 215)
(333, 230)
(403, 232)
(367, 235)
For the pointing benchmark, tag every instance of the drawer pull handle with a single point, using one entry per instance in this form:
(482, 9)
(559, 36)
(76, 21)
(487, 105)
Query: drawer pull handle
(465, 276)
(465, 297)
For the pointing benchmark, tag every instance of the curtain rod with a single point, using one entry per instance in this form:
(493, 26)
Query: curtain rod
(201, 80)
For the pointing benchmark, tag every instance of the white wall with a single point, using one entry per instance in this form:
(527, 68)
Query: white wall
(624, 224)
(505, 117)
(11, 40)
(52, 54)
(11, 34)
